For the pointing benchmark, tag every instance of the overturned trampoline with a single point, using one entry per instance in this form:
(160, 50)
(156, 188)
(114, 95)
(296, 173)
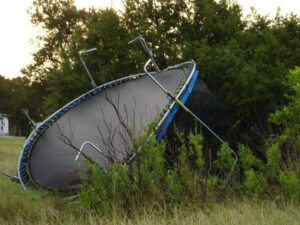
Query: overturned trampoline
(96, 125)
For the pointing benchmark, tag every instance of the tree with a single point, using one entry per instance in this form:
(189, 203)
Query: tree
(16, 94)
(160, 22)
(57, 19)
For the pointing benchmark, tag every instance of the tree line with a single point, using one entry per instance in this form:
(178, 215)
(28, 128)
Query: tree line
(244, 61)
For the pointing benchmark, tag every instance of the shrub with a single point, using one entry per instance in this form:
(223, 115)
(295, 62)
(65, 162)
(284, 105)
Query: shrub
(123, 190)
(211, 189)
(196, 148)
(148, 180)
(95, 194)
(288, 118)
(174, 187)
(151, 169)
(273, 164)
(248, 159)
(289, 115)
(254, 183)
(225, 162)
(290, 184)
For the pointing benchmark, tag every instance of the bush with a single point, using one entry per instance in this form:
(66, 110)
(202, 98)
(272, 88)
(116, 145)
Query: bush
(151, 169)
(273, 164)
(211, 189)
(150, 181)
(255, 183)
(174, 187)
(290, 184)
(289, 115)
(288, 118)
(249, 160)
(225, 165)
(95, 194)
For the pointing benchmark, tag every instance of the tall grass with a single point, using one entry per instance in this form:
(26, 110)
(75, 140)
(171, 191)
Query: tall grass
(15, 202)
(21, 207)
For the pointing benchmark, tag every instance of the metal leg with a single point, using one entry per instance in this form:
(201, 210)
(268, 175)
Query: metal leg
(146, 49)
(31, 121)
(93, 83)
(82, 146)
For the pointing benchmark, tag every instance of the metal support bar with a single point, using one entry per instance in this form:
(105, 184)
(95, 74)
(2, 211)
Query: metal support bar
(12, 178)
(31, 121)
(146, 49)
(93, 83)
(82, 146)
(185, 108)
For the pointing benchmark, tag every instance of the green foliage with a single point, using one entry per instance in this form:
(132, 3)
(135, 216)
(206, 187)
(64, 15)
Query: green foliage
(255, 183)
(122, 188)
(190, 168)
(189, 178)
(273, 164)
(196, 146)
(225, 160)
(290, 184)
(96, 194)
(248, 160)
(19, 93)
(186, 179)
(19, 206)
(152, 168)
(217, 28)
(161, 23)
(105, 191)
(148, 180)
(174, 186)
(227, 172)
(288, 118)
(244, 67)
(211, 189)
(288, 115)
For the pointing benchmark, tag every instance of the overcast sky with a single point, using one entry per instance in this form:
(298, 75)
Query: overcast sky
(17, 32)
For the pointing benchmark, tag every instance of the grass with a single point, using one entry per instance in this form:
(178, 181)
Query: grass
(15, 202)
(21, 207)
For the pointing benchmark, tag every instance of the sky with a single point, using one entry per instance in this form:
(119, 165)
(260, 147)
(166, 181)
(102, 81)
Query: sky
(17, 34)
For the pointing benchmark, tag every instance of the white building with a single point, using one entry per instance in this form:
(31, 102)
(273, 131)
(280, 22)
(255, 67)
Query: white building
(4, 125)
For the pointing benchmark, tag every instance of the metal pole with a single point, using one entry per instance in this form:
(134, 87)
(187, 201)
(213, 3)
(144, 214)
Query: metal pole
(146, 49)
(31, 121)
(82, 146)
(93, 83)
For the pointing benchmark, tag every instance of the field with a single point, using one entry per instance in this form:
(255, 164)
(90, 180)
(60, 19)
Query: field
(18, 206)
